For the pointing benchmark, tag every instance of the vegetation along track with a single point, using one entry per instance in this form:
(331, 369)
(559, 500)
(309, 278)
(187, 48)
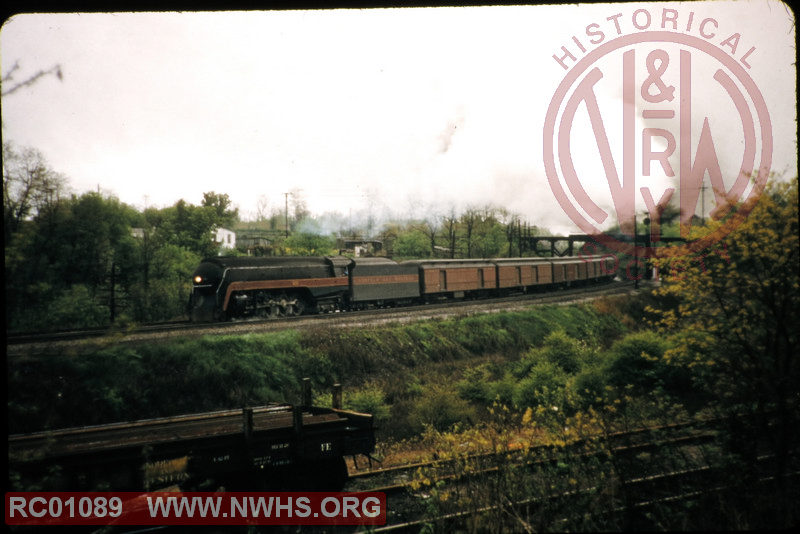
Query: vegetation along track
(677, 489)
(396, 479)
(31, 344)
(639, 485)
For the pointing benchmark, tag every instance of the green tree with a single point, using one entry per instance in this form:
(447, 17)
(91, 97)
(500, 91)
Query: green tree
(167, 290)
(739, 303)
(469, 221)
(193, 227)
(491, 241)
(450, 231)
(30, 187)
(413, 244)
(224, 212)
(76, 308)
(430, 229)
(98, 236)
(485, 236)
(309, 244)
(298, 208)
(66, 254)
(188, 226)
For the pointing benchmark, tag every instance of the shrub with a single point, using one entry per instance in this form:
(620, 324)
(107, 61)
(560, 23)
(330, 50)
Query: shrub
(589, 385)
(543, 386)
(475, 387)
(559, 349)
(563, 351)
(502, 391)
(440, 408)
(369, 400)
(74, 308)
(638, 360)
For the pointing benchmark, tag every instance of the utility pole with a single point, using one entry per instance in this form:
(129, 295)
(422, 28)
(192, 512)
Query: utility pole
(635, 255)
(112, 303)
(703, 203)
(287, 213)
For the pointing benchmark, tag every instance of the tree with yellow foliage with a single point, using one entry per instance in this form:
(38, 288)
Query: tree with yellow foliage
(736, 323)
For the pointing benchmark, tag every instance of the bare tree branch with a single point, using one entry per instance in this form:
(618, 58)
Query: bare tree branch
(9, 77)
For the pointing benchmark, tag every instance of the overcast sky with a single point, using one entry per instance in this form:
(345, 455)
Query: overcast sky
(414, 109)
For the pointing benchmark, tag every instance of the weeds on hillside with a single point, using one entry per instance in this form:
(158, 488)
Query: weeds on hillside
(550, 468)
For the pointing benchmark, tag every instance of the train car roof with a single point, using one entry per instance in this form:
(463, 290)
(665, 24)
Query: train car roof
(521, 261)
(569, 259)
(373, 261)
(262, 261)
(454, 263)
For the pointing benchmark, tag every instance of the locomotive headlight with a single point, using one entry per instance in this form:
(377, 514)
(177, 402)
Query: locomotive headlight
(198, 279)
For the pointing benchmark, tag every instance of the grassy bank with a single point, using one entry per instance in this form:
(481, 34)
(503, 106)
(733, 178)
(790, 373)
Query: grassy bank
(405, 374)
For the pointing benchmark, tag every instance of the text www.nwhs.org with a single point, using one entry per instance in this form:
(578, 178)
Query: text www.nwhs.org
(267, 507)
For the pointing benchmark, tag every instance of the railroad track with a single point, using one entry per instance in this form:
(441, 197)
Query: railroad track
(26, 338)
(631, 442)
(27, 344)
(397, 478)
(651, 492)
(640, 489)
(646, 493)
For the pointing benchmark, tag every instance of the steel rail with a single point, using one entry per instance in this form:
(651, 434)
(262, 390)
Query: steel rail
(17, 343)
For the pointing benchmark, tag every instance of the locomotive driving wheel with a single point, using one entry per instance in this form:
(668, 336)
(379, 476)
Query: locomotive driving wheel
(266, 306)
(293, 305)
(269, 311)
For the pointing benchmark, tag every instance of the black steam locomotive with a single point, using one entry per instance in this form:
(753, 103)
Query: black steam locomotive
(226, 288)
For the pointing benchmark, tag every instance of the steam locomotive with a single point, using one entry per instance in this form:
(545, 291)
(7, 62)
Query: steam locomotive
(232, 288)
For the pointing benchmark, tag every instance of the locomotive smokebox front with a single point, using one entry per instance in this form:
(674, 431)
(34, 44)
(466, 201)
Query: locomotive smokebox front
(203, 300)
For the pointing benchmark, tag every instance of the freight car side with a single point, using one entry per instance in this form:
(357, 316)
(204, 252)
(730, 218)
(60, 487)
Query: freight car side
(276, 447)
(567, 271)
(601, 269)
(381, 281)
(445, 279)
(523, 274)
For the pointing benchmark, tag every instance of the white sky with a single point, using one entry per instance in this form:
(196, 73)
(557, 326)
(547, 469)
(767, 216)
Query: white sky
(419, 109)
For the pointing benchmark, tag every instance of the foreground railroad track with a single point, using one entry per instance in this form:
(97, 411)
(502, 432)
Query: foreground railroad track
(396, 479)
(43, 343)
(672, 489)
(639, 489)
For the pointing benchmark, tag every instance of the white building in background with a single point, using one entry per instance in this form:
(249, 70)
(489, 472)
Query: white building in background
(225, 238)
